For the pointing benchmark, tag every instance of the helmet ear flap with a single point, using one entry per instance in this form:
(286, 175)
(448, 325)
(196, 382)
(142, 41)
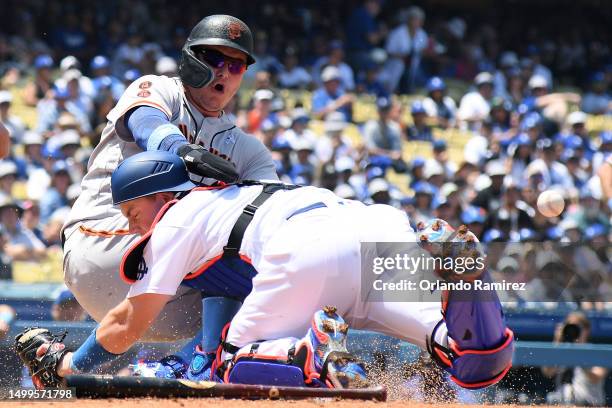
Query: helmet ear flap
(192, 71)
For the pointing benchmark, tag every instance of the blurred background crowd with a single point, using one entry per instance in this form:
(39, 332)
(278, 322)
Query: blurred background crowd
(460, 112)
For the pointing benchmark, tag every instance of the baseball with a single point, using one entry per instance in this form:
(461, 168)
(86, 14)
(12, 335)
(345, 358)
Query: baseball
(550, 203)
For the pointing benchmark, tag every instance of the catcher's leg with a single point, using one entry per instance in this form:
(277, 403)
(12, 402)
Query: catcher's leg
(319, 359)
(91, 265)
(467, 335)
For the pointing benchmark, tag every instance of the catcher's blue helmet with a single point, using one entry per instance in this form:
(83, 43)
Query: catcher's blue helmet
(148, 173)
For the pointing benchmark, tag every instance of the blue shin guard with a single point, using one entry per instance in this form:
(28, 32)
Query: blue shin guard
(472, 342)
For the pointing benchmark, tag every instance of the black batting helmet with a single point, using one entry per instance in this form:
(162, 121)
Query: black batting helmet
(218, 29)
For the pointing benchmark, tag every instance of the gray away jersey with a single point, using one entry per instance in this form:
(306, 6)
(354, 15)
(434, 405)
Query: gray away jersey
(219, 135)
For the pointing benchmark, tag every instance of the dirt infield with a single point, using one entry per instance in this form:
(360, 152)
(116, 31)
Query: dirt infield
(193, 403)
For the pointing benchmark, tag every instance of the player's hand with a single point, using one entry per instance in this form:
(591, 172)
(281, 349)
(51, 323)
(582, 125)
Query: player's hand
(42, 352)
(203, 163)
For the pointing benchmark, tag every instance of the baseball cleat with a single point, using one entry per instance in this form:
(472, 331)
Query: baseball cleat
(168, 367)
(330, 357)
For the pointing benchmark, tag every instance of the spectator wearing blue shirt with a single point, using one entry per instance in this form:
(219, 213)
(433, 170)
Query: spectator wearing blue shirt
(363, 32)
(331, 96)
(102, 79)
(419, 130)
(597, 100)
(56, 196)
(49, 111)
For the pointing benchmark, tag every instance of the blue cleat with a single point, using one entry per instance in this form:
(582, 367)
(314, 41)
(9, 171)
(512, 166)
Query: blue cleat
(326, 338)
(168, 367)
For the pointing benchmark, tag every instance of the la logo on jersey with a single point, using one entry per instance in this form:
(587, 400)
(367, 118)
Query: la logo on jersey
(142, 269)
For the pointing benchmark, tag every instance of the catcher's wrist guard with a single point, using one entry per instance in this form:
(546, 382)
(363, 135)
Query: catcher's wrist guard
(43, 368)
(203, 163)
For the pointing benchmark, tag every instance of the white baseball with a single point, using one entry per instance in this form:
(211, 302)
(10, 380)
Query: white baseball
(551, 203)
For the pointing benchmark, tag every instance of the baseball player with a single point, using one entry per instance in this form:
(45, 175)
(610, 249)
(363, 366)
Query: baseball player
(284, 251)
(183, 116)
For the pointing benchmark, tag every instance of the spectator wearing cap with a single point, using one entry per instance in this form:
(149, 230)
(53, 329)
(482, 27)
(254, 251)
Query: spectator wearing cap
(8, 176)
(6, 265)
(479, 147)
(438, 105)
(304, 163)
(500, 117)
(281, 155)
(379, 191)
(38, 88)
(423, 202)
(65, 307)
(577, 126)
(30, 220)
(262, 102)
(71, 63)
(417, 166)
(335, 58)
(538, 68)
(331, 97)
(520, 154)
(299, 127)
(49, 111)
(345, 191)
(103, 82)
(553, 172)
(589, 211)
(335, 143)
(508, 61)
(292, 75)
(71, 81)
(597, 101)
(22, 245)
(440, 156)
(475, 218)
(369, 80)
(12, 123)
(489, 198)
(419, 130)
(513, 214)
(364, 31)
(405, 45)
(268, 132)
(131, 52)
(474, 106)
(383, 136)
(56, 196)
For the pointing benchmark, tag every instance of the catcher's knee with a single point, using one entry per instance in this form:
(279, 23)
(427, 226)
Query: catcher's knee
(472, 368)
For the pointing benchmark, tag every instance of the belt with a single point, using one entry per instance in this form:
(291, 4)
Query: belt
(310, 207)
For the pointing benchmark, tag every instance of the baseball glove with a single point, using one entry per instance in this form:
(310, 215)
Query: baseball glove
(41, 363)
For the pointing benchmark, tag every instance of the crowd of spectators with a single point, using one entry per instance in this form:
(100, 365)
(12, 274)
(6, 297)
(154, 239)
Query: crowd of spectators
(65, 64)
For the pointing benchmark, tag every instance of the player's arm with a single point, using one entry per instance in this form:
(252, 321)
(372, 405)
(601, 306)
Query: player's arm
(118, 331)
(5, 141)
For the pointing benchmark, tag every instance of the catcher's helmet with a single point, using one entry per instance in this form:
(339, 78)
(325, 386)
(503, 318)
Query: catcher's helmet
(218, 29)
(148, 173)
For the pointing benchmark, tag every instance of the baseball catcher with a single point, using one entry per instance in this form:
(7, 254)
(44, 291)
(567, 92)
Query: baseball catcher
(283, 251)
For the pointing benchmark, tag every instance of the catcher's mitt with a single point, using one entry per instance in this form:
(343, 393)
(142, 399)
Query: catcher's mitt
(42, 364)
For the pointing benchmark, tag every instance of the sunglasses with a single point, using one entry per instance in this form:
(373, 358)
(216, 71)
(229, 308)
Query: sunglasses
(217, 59)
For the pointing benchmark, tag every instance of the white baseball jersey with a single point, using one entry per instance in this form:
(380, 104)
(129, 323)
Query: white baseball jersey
(219, 135)
(304, 245)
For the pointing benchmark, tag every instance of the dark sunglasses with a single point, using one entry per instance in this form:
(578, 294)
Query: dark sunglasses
(217, 59)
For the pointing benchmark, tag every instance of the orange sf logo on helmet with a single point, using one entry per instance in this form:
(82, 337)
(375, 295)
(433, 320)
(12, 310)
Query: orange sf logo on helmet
(234, 30)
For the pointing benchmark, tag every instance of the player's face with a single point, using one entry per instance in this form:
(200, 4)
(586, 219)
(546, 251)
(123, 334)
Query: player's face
(141, 212)
(212, 99)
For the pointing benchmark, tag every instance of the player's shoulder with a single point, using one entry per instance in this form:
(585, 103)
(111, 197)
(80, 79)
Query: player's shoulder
(157, 82)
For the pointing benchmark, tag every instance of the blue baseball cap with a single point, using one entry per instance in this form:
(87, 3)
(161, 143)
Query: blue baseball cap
(573, 142)
(417, 162)
(554, 233)
(527, 234)
(280, 143)
(417, 107)
(61, 92)
(59, 166)
(522, 139)
(595, 230)
(43, 61)
(64, 296)
(493, 235)
(473, 214)
(99, 62)
(439, 144)
(435, 84)
(131, 75)
(605, 137)
(423, 187)
(383, 103)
